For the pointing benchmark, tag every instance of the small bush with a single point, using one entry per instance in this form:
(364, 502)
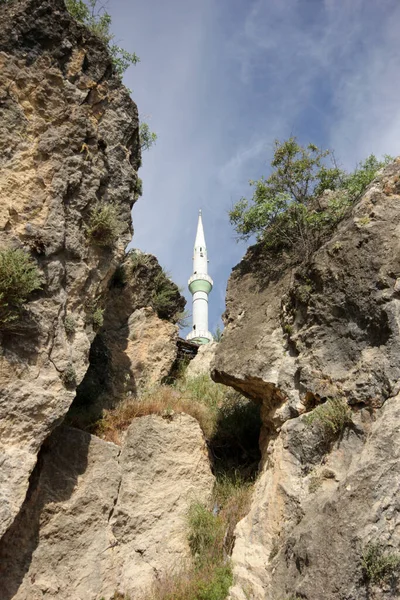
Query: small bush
(69, 376)
(19, 277)
(147, 138)
(98, 318)
(356, 183)
(69, 325)
(139, 259)
(138, 188)
(332, 416)
(103, 228)
(378, 564)
(212, 582)
(305, 196)
(165, 296)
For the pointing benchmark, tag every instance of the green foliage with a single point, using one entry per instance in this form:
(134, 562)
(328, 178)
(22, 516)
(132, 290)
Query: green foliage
(206, 533)
(289, 210)
(147, 138)
(165, 296)
(378, 564)
(138, 188)
(356, 183)
(298, 175)
(332, 416)
(217, 588)
(19, 277)
(139, 259)
(68, 376)
(92, 14)
(98, 318)
(202, 389)
(103, 228)
(69, 325)
(217, 335)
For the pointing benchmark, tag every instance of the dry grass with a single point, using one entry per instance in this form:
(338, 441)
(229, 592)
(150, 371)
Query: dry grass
(198, 398)
(208, 583)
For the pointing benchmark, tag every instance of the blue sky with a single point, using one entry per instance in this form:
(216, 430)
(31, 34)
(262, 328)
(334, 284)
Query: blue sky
(219, 80)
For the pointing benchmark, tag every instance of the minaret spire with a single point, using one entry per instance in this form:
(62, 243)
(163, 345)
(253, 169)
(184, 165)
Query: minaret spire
(200, 285)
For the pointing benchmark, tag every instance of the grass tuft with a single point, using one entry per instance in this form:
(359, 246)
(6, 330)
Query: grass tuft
(378, 564)
(332, 417)
(104, 227)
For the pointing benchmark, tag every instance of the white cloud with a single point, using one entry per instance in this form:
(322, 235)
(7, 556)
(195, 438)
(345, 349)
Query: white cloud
(221, 80)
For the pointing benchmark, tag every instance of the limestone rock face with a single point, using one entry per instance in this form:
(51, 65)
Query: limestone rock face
(201, 363)
(312, 515)
(135, 348)
(327, 329)
(294, 336)
(69, 138)
(101, 519)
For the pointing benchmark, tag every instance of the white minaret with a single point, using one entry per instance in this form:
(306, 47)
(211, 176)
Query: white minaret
(200, 285)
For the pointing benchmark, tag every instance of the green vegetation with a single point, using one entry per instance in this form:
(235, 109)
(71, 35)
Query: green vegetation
(378, 564)
(332, 416)
(139, 259)
(217, 335)
(288, 210)
(231, 425)
(68, 376)
(139, 188)
(210, 535)
(165, 296)
(147, 138)
(92, 14)
(69, 325)
(19, 277)
(103, 228)
(98, 318)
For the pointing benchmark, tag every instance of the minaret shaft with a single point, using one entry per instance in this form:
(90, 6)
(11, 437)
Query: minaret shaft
(200, 285)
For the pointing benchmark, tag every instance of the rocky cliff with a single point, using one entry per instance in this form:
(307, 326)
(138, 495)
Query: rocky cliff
(322, 338)
(81, 517)
(69, 143)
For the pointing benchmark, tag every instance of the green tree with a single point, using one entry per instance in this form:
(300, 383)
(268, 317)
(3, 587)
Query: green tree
(147, 138)
(286, 209)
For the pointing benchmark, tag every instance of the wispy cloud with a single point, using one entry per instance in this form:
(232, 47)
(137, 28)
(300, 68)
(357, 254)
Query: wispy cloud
(221, 80)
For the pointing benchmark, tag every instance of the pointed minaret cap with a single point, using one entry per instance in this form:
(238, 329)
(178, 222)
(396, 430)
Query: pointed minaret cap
(200, 239)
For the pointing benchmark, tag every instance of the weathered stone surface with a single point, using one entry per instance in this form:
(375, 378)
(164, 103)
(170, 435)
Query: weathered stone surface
(312, 515)
(201, 363)
(135, 348)
(296, 335)
(325, 329)
(99, 518)
(69, 137)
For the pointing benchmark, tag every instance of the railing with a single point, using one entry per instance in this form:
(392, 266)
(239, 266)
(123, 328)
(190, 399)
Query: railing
(199, 334)
(202, 276)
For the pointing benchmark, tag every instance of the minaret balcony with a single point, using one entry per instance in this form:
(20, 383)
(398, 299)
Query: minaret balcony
(200, 282)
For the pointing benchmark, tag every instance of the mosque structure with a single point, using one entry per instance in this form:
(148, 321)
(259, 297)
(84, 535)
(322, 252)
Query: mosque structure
(200, 285)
